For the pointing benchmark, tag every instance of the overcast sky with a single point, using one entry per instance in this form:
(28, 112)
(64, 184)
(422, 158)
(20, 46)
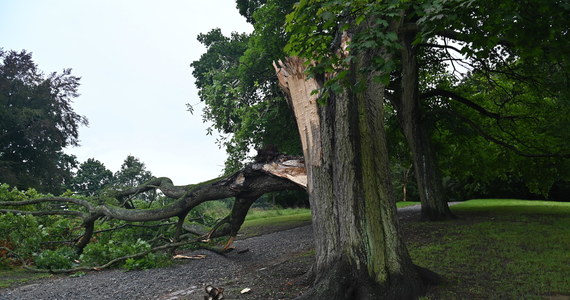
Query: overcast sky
(133, 58)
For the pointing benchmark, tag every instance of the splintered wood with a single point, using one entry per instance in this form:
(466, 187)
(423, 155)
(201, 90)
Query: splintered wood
(293, 170)
(300, 92)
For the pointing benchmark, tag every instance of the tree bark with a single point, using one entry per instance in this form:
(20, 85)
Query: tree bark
(434, 203)
(359, 252)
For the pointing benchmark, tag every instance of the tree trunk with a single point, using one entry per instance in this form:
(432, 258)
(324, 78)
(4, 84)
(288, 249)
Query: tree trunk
(405, 181)
(359, 252)
(434, 203)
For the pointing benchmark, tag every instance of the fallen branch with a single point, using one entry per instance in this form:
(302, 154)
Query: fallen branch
(108, 264)
(246, 186)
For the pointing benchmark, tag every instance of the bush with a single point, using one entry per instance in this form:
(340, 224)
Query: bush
(26, 235)
(149, 261)
(22, 232)
(61, 258)
(96, 254)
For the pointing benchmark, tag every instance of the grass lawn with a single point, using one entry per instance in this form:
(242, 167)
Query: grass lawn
(406, 203)
(260, 222)
(18, 276)
(497, 249)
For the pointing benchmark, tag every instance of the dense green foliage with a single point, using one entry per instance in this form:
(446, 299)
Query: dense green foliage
(494, 92)
(91, 178)
(518, 79)
(36, 123)
(236, 82)
(493, 82)
(46, 241)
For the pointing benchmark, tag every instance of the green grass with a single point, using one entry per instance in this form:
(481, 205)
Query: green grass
(18, 276)
(301, 217)
(263, 222)
(513, 206)
(255, 214)
(406, 203)
(499, 249)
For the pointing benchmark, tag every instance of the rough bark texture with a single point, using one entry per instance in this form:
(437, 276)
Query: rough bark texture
(434, 203)
(359, 253)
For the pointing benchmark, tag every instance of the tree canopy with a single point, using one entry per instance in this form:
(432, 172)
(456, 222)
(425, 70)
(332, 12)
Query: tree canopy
(238, 87)
(36, 122)
(133, 173)
(452, 41)
(91, 178)
(482, 74)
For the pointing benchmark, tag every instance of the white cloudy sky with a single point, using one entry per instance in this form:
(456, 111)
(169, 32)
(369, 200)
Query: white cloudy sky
(133, 57)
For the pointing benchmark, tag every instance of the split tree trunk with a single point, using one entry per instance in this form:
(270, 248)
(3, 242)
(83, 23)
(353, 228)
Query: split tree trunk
(359, 251)
(428, 177)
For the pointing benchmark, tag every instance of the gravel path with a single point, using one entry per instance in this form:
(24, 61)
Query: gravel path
(188, 277)
(183, 280)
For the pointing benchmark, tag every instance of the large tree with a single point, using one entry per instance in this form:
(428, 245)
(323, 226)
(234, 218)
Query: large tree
(504, 91)
(359, 251)
(355, 49)
(438, 40)
(36, 123)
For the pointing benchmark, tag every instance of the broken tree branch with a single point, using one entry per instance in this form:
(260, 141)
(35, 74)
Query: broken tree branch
(246, 185)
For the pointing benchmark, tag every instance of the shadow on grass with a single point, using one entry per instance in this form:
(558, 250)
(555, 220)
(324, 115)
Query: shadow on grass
(498, 249)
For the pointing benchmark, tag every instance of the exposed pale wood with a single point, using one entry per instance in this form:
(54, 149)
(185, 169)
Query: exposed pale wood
(293, 170)
(302, 93)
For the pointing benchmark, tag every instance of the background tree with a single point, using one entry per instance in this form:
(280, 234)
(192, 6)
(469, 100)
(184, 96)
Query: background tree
(133, 173)
(36, 123)
(504, 96)
(91, 178)
(440, 44)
